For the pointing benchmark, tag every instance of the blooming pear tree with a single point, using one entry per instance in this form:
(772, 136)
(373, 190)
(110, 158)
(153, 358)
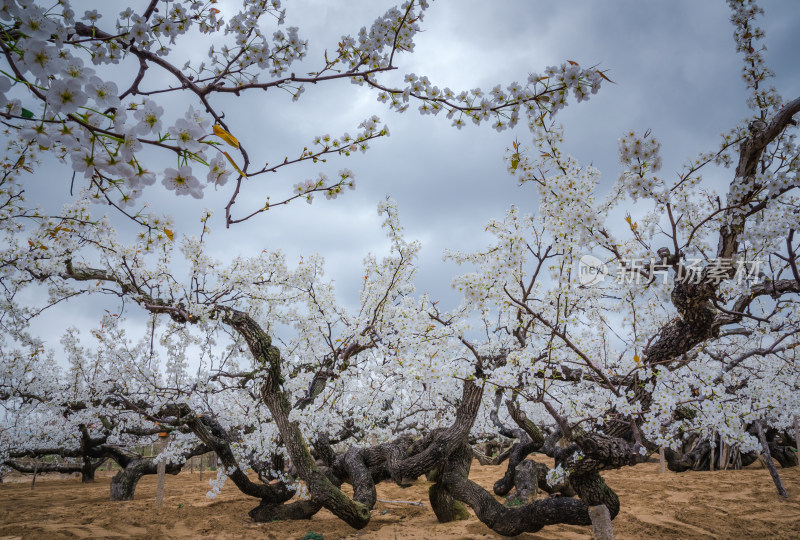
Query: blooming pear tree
(105, 126)
(341, 369)
(681, 330)
(617, 335)
(90, 412)
(92, 94)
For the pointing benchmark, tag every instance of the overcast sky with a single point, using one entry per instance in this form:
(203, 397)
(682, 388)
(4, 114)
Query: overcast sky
(676, 72)
(674, 65)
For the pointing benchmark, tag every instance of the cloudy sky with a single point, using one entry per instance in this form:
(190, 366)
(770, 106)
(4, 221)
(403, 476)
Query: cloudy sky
(676, 73)
(674, 65)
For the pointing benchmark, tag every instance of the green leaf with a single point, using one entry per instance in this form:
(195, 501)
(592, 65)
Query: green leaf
(26, 113)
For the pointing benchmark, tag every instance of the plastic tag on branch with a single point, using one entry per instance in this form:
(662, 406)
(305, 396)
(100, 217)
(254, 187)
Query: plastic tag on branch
(220, 132)
(515, 156)
(235, 166)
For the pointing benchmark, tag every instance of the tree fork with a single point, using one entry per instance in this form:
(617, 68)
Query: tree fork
(445, 507)
(504, 520)
(530, 438)
(321, 489)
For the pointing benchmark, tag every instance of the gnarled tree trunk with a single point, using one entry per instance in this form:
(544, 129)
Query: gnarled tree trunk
(133, 467)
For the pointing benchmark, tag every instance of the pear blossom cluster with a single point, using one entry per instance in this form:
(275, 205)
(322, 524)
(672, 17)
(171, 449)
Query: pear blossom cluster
(374, 48)
(307, 188)
(755, 71)
(61, 94)
(565, 189)
(547, 92)
(641, 160)
(557, 476)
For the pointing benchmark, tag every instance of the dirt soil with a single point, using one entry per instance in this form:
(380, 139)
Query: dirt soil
(721, 504)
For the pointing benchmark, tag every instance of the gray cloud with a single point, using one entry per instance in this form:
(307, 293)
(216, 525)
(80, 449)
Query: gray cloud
(676, 72)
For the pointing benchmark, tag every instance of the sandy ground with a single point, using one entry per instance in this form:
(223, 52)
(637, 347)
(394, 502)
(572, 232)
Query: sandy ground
(722, 504)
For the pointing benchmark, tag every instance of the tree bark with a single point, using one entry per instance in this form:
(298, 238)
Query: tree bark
(530, 440)
(133, 466)
(519, 451)
(162, 467)
(445, 507)
(216, 438)
(123, 484)
(427, 455)
(484, 458)
(267, 512)
(723, 455)
(601, 523)
(773, 471)
(64, 468)
(530, 477)
(87, 471)
(593, 491)
(713, 447)
(696, 459)
(504, 520)
(784, 455)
